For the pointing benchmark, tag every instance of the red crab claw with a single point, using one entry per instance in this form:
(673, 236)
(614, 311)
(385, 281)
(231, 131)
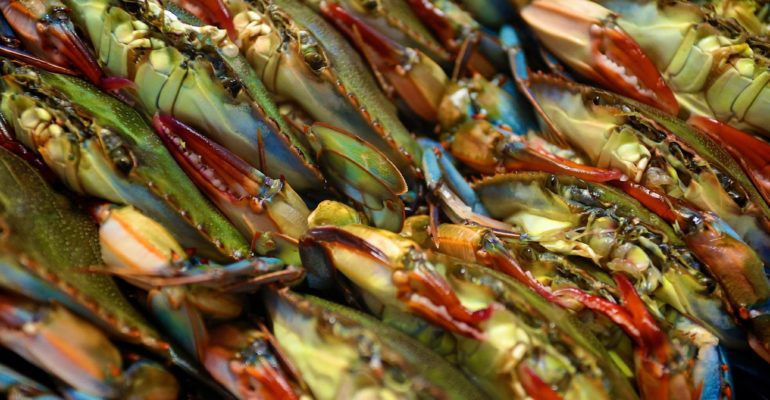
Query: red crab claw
(651, 345)
(62, 35)
(107, 83)
(752, 153)
(464, 48)
(533, 158)
(211, 11)
(435, 19)
(53, 41)
(584, 36)
(242, 193)
(50, 36)
(417, 79)
(495, 255)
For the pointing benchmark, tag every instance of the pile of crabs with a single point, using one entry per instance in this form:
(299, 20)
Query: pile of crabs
(383, 199)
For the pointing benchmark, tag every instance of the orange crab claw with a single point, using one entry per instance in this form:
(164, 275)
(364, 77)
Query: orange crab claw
(477, 145)
(531, 158)
(211, 11)
(420, 288)
(430, 296)
(584, 36)
(751, 152)
(651, 345)
(417, 79)
(237, 359)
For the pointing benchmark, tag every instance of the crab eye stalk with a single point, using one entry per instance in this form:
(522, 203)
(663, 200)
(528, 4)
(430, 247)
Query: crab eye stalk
(315, 61)
(122, 160)
(117, 151)
(552, 184)
(311, 52)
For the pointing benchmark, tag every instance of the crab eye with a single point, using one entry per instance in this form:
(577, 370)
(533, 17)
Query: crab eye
(122, 160)
(552, 184)
(528, 254)
(311, 52)
(369, 5)
(315, 61)
(117, 151)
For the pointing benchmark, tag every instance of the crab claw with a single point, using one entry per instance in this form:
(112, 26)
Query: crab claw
(26, 58)
(651, 345)
(388, 272)
(412, 75)
(254, 202)
(489, 149)
(584, 36)
(434, 18)
(528, 157)
(476, 244)
(62, 35)
(247, 362)
(463, 40)
(47, 32)
(428, 294)
(752, 153)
